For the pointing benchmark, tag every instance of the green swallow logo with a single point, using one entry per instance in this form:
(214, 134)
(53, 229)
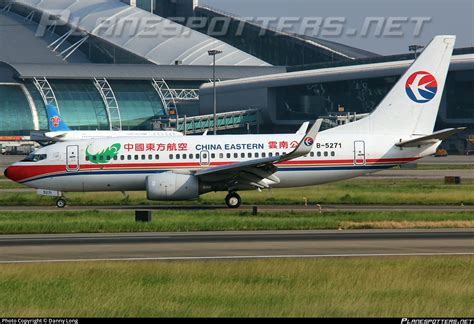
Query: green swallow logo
(105, 155)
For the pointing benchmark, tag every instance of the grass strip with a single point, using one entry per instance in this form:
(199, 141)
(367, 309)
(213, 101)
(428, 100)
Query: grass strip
(328, 287)
(210, 220)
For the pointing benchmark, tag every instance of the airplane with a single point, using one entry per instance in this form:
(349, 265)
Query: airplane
(59, 131)
(398, 131)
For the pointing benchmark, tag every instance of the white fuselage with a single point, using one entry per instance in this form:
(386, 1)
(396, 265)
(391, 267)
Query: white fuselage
(125, 163)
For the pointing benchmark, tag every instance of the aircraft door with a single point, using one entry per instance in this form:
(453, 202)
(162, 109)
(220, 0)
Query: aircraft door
(72, 158)
(359, 152)
(204, 158)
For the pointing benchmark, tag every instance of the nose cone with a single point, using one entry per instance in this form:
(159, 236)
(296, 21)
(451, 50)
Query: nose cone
(6, 172)
(13, 173)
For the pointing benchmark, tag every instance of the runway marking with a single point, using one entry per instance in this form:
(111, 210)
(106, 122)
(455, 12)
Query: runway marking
(241, 257)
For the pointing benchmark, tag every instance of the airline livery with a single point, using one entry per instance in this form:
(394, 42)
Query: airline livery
(398, 131)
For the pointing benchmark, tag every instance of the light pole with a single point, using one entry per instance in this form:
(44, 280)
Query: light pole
(415, 48)
(213, 53)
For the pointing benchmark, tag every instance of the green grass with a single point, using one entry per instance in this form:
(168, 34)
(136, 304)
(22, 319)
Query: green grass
(329, 287)
(7, 184)
(429, 166)
(355, 191)
(209, 220)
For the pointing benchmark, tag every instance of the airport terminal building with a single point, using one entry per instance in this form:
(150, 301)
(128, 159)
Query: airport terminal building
(266, 82)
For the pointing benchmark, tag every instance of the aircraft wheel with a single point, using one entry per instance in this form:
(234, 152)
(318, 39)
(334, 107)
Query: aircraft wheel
(233, 200)
(60, 203)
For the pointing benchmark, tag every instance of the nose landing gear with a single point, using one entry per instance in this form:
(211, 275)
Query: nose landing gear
(61, 203)
(233, 200)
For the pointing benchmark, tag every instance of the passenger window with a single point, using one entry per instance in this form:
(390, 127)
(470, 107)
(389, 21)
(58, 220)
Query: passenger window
(157, 156)
(122, 157)
(277, 154)
(270, 154)
(143, 157)
(319, 154)
(256, 155)
(136, 157)
(236, 155)
(150, 157)
(197, 156)
(87, 157)
(311, 154)
(101, 158)
(264, 154)
(115, 157)
(213, 156)
(129, 157)
(171, 156)
(333, 153)
(108, 157)
(191, 156)
(325, 153)
(177, 156)
(184, 156)
(221, 155)
(204, 156)
(242, 155)
(228, 155)
(249, 155)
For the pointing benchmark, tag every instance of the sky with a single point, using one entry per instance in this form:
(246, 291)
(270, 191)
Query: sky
(343, 21)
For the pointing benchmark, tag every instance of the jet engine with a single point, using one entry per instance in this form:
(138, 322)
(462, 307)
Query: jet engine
(172, 186)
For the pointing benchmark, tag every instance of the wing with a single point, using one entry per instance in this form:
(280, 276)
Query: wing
(257, 173)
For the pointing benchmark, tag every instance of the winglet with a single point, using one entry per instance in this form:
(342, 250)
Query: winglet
(306, 144)
(303, 128)
(55, 121)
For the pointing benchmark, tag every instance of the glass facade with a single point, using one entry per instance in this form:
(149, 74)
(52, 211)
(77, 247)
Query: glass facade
(81, 105)
(460, 96)
(139, 103)
(15, 113)
(303, 102)
(40, 108)
(321, 99)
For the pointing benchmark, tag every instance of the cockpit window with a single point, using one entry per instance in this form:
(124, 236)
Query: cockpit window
(34, 157)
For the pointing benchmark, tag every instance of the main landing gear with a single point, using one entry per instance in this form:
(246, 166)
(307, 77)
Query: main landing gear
(60, 203)
(233, 200)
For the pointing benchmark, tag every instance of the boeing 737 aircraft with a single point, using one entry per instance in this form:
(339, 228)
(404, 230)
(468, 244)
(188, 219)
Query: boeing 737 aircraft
(60, 131)
(400, 130)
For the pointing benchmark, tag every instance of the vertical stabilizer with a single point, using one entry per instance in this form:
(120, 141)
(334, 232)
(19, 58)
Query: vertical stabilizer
(411, 106)
(55, 121)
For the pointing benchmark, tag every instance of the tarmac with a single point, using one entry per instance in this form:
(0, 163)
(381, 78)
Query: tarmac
(234, 245)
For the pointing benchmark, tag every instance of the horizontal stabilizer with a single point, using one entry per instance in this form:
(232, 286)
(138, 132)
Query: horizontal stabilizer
(431, 139)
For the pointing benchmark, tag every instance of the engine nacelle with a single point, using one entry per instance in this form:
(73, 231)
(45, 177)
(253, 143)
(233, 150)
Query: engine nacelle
(172, 186)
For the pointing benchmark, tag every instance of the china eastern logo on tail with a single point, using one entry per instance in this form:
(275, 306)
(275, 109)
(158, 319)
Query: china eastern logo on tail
(421, 86)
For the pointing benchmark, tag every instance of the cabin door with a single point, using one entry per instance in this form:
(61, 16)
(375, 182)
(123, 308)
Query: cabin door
(359, 152)
(72, 158)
